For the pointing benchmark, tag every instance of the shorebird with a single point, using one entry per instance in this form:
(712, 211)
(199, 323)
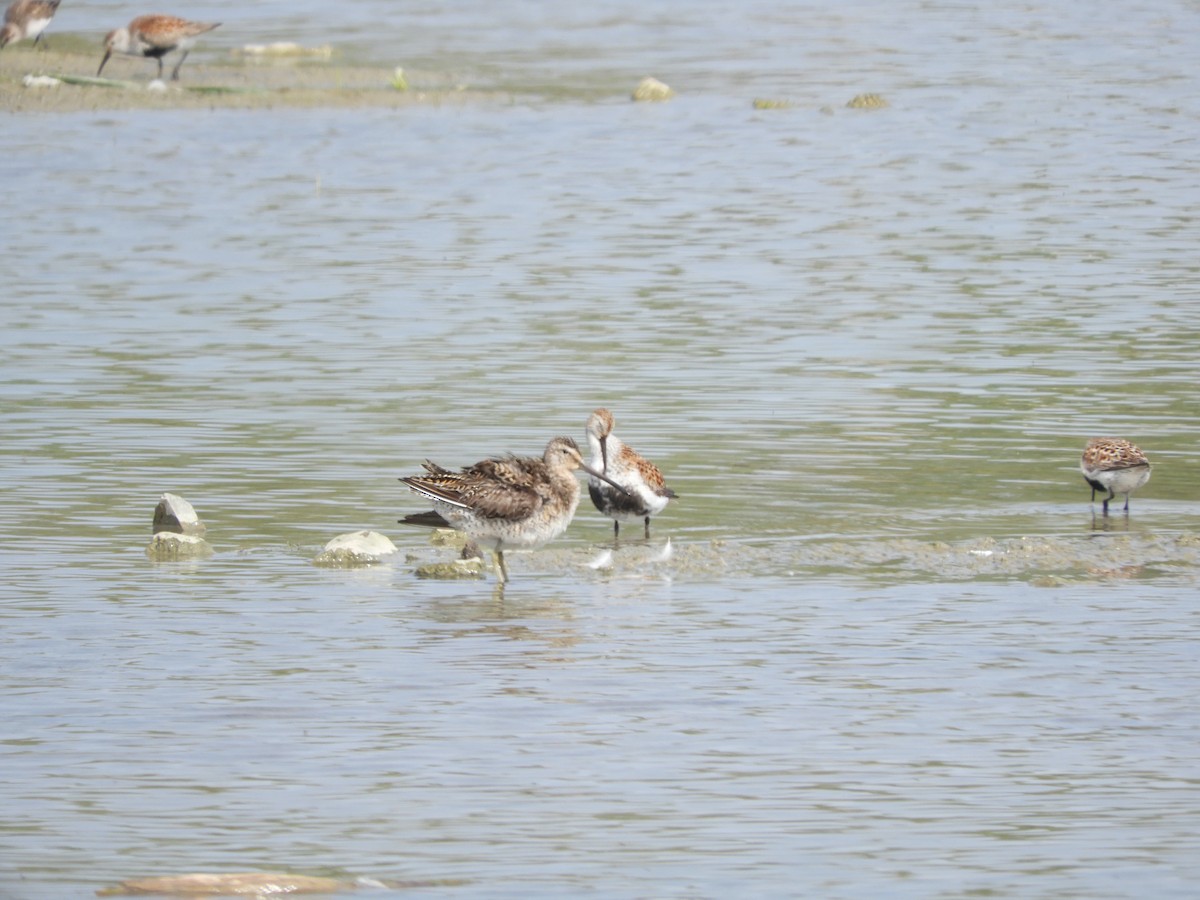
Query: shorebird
(155, 37)
(27, 19)
(1116, 466)
(506, 503)
(643, 492)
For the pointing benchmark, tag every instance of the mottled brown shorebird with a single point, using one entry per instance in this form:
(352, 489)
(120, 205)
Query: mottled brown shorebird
(1116, 466)
(505, 503)
(26, 19)
(643, 492)
(155, 37)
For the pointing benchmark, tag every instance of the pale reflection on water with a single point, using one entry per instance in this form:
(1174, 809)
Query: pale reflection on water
(894, 652)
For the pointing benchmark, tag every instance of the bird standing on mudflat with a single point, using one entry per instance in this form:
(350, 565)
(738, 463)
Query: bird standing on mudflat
(508, 502)
(27, 19)
(644, 492)
(154, 37)
(1116, 466)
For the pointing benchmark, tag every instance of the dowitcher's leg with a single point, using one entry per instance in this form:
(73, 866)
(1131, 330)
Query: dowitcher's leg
(647, 528)
(616, 529)
(503, 568)
(160, 68)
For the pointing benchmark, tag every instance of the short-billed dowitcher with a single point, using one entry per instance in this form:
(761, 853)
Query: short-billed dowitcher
(1116, 466)
(644, 493)
(155, 37)
(26, 19)
(506, 503)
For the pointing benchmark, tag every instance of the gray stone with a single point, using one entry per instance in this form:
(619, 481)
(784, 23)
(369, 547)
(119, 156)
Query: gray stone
(175, 514)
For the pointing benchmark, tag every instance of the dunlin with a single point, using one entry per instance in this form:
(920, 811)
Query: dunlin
(644, 493)
(27, 19)
(1116, 466)
(155, 37)
(505, 503)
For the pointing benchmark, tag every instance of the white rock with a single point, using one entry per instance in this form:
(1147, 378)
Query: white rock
(356, 548)
(167, 545)
(651, 89)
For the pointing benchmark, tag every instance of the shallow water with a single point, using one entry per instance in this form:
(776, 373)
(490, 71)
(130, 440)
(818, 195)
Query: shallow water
(894, 651)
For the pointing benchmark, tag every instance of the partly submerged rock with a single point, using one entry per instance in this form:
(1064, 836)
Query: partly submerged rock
(175, 514)
(167, 545)
(356, 548)
(867, 101)
(236, 884)
(651, 89)
(456, 568)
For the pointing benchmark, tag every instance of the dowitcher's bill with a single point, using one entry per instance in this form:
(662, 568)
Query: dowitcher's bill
(27, 19)
(1116, 466)
(506, 503)
(155, 37)
(644, 493)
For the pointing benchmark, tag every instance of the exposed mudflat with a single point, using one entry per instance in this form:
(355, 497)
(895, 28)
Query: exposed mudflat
(234, 80)
(1043, 560)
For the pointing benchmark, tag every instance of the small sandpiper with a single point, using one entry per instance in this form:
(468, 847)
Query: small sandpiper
(27, 19)
(1116, 466)
(505, 503)
(155, 37)
(643, 492)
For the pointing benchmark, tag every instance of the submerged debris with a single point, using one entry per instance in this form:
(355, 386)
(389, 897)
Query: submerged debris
(867, 101)
(763, 103)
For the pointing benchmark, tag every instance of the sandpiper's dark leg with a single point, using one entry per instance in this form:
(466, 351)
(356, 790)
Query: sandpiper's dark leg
(1126, 503)
(503, 568)
(1106, 499)
(647, 528)
(160, 68)
(1093, 493)
(175, 74)
(616, 529)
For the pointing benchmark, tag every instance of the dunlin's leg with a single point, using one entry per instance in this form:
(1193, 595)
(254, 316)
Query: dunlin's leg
(647, 528)
(1126, 503)
(160, 68)
(503, 568)
(616, 529)
(175, 74)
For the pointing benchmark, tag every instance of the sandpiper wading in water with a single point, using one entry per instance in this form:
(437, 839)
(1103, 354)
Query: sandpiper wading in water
(1116, 466)
(644, 493)
(505, 503)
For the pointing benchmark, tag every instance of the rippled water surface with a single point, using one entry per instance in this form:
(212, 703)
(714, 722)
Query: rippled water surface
(894, 650)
